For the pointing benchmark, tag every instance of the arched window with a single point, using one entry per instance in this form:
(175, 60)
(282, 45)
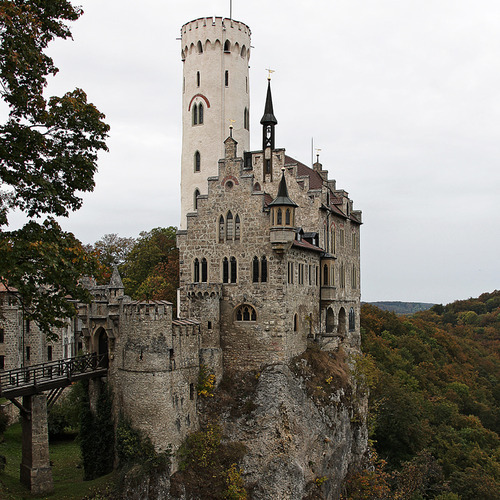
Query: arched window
(233, 270)
(287, 217)
(200, 113)
(195, 200)
(330, 320)
(197, 161)
(200, 48)
(221, 229)
(196, 271)
(237, 228)
(325, 275)
(198, 78)
(352, 320)
(255, 270)
(229, 226)
(226, 78)
(245, 312)
(195, 114)
(204, 270)
(263, 270)
(256, 187)
(295, 323)
(342, 319)
(225, 270)
(227, 46)
(279, 218)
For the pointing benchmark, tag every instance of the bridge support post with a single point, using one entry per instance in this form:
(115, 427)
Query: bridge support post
(36, 472)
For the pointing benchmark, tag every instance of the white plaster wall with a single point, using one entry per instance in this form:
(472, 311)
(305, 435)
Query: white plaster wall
(226, 103)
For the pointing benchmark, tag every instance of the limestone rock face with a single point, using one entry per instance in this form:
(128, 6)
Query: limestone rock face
(293, 443)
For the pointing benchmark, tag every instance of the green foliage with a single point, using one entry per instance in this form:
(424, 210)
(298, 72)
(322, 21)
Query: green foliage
(97, 436)
(151, 268)
(64, 416)
(48, 157)
(436, 406)
(4, 421)
(133, 447)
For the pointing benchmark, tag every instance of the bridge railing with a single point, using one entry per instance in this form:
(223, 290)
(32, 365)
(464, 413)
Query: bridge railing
(45, 372)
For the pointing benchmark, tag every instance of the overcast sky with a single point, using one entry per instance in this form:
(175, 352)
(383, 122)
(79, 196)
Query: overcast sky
(402, 97)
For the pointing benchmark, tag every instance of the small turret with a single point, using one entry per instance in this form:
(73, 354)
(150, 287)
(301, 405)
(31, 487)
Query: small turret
(268, 123)
(282, 218)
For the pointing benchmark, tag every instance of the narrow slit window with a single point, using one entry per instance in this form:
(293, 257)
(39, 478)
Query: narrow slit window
(237, 228)
(204, 270)
(197, 161)
(226, 78)
(225, 270)
(233, 270)
(200, 114)
(195, 114)
(195, 201)
(255, 270)
(198, 78)
(221, 229)
(196, 271)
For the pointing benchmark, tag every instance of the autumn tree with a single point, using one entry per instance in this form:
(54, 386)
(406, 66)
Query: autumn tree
(48, 157)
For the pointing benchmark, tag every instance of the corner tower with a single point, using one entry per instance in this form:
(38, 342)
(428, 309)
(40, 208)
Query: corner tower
(215, 94)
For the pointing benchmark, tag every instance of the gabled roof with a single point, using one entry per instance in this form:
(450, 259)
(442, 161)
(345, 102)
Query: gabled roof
(315, 180)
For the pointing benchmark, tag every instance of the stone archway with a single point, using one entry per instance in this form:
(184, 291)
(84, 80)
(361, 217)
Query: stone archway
(342, 322)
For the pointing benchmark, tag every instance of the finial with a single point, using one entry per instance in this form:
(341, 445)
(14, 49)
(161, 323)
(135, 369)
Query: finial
(231, 127)
(283, 169)
(317, 154)
(269, 73)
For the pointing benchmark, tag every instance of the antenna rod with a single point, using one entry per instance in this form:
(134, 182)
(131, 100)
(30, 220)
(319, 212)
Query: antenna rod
(312, 151)
(231, 9)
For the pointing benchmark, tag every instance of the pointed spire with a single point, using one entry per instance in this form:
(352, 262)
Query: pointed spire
(268, 118)
(116, 280)
(283, 198)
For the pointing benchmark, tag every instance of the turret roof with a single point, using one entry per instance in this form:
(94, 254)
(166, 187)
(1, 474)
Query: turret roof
(282, 198)
(268, 117)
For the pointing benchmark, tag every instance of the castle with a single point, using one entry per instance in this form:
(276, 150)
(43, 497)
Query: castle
(269, 254)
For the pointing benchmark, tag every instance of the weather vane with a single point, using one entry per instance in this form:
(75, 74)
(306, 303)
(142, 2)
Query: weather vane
(269, 73)
(231, 127)
(317, 154)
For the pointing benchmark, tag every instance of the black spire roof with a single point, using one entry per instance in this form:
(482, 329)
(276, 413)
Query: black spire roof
(268, 117)
(282, 199)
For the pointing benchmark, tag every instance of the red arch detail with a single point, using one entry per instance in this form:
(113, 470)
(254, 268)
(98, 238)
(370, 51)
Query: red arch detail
(198, 95)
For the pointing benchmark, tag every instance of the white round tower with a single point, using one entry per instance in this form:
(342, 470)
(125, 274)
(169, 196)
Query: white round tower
(215, 95)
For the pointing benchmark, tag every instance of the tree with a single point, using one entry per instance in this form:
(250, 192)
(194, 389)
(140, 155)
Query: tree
(151, 269)
(48, 156)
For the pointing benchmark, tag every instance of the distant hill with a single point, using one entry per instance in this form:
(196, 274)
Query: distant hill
(401, 308)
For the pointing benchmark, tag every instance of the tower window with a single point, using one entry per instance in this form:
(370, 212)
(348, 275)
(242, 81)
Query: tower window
(195, 114)
(204, 270)
(287, 217)
(226, 78)
(246, 313)
(352, 320)
(246, 123)
(221, 229)
(255, 270)
(200, 48)
(195, 201)
(196, 271)
(229, 227)
(225, 270)
(197, 161)
(227, 46)
(200, 114)
(233, 270)
(325, 275)
(279, 218)
(198, 78)
(237, 228)
(263, 270)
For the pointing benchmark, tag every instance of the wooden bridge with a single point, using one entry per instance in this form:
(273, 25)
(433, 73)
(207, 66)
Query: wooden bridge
(31, 383)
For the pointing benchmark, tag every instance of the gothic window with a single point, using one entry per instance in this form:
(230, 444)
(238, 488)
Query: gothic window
(255, 270)
(279, 218)
(204, 270)
(352, 320)
(325, 275)
(354, 280)
(196, 271)
(233, 270)
(290, 273)
(287, 217)
(225, 270)
(342, 321)
(226, 78)
(197, 161)
(221, 229)
(342, 276)
(200, 113)
(342, 237)
(237, 228)
(263, 270)
(200, 48)
(195, 114)
(229, 226)
(227, 46)
(198, 78)
(246, 313)
(195, 201)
